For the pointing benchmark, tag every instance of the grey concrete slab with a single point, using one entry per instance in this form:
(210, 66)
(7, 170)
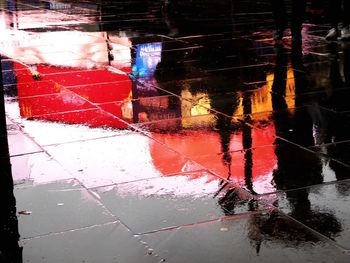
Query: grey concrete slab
(221, 62)
(57, 207)
(306, 126)
(119, 159)
(19, 142)
(48, 133)
(260, 237)
(337, 151)
(322, 208)
(104, 243)
(37, 168)
(167, 202)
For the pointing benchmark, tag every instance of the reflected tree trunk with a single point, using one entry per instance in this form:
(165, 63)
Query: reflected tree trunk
(248, 143)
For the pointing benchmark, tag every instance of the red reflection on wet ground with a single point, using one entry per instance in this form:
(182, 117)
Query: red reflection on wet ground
(204, 147)
(71, 95)
(99, 98)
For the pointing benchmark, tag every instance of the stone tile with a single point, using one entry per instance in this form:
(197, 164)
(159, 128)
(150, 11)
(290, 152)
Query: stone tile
(223, 94)
(37, 168)
(215, 101)
(297, 84)
(226, 77)
(38, 88)
(166, 202)
(104, 92)
(256, 237)
(19, 142)
(103, 243)
(12, 109)
(50, 104)
(274, 168)
(306, 126)
(223, 50)
(144, 40)
(147, 109)
(57, 207)
(119, 159)
(322, 208)
(337, 151)
(93, 118)
(49, 133)
(252, 169)
(297, 167)
(208, 134)
(337, 100)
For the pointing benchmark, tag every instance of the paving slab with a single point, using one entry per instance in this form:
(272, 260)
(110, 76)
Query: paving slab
(103, 243)
(167, 202)
(57, 207)
(322, 208)
(19, 142)
(220, 132)
(337, 151)
(184, 121)
(257, 237)
(148, 109)
(37, 168)
(272, 168)
(337, 100)
(113, 160)
(306, 126)
(52, 133)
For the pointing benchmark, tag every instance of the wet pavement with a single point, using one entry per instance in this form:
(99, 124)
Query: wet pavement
(140, 131)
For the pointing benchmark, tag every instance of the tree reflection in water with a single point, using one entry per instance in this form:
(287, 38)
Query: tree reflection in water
(292, 171)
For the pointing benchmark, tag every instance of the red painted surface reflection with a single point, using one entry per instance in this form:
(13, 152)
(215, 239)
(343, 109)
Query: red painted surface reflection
(72, 95)
(98, 98)
(204, 147)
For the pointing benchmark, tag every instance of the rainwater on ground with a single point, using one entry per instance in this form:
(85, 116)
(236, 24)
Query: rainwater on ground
(171, 131)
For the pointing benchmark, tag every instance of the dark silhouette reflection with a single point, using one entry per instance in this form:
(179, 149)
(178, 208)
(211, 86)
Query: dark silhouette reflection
(9, 248)
(184, 18)
(229, 200)
(178, 65)
(190, 69)
(334, 73)
(141, 14)
(297, 168)
(280, 80)
(292, 172)
(279, 9)
(247, 141)
(274, 227)
(337, 98)
(346, 52)
(224, 128)
(223, 89)
(170, 14)
(175, 74)
(339, 79)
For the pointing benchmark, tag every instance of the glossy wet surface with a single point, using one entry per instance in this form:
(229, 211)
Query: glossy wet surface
(145, 132)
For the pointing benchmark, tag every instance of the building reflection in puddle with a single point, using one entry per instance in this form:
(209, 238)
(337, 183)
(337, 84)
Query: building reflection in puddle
(95, 81)
(82, 85)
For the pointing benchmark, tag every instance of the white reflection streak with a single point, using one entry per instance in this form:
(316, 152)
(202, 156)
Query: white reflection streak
(63, 48)
(177, 186)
